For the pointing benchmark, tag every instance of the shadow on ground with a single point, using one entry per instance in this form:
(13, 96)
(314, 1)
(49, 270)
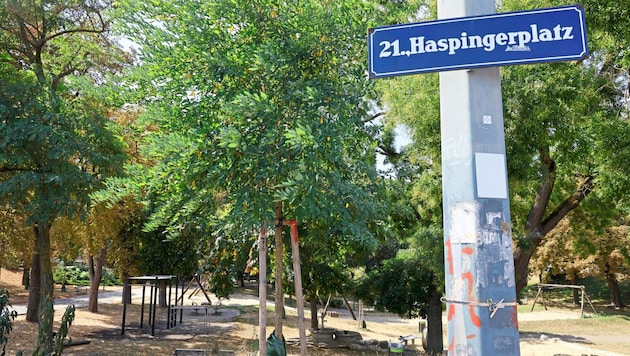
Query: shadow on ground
(546, 337)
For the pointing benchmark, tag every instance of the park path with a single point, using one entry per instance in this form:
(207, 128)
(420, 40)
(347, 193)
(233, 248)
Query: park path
(81, 300)
(115, 297)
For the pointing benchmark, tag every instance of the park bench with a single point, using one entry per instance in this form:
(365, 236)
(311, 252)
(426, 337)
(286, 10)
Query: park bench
(406, 339)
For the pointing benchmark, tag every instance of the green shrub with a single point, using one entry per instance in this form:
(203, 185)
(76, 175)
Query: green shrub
(6, 317)
(79, 276)
(337, 303)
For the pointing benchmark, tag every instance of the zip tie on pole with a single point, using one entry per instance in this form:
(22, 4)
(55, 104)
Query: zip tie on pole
(492, 306)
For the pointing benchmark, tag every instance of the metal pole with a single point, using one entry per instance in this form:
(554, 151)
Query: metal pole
(168, 307)
(144, 286)
(124, 316)
(582, 303)
(480, 284)
(154, 305)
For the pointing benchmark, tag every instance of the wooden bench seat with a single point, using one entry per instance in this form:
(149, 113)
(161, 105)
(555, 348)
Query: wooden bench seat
(406, 339)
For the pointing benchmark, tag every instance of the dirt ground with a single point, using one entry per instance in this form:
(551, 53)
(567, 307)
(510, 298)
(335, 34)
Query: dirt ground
(558, 331)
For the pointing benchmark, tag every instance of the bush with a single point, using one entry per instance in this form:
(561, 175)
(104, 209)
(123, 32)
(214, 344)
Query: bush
(6, 317)
(337, 303)
(79, 276)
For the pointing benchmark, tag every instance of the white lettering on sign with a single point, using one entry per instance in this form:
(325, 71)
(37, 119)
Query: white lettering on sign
(513, 41)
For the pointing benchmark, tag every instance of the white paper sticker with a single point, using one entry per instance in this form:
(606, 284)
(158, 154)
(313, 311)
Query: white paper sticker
(491, 175)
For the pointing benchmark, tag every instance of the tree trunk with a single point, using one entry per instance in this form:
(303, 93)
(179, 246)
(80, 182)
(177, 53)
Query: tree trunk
(162, 302)
(538, 223)
(26, 273)
(576, 293)
(126, 293)
(32, 310)
(435, 341)
(241, 279)
(312, 300)
(279, 297)
(46, 286)
(521, 262)
(95, 270)
(613, 288)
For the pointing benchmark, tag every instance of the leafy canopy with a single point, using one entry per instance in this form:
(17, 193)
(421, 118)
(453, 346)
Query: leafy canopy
(258, 103)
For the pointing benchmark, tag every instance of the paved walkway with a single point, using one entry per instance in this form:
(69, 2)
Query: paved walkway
(115, 297)
(81, 300)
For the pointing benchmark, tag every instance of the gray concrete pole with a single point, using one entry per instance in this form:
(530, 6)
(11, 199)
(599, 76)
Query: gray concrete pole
(480, 285)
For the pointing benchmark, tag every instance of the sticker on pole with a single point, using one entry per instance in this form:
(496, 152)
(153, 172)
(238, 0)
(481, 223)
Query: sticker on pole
(543, 35)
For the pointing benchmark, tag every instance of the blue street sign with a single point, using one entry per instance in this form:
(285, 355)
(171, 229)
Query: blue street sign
(543, 35)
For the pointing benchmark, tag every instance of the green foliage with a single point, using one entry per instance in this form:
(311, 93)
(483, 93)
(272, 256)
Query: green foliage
(570, 120)
(262, 117)
(256, 104)
(64, 327)
(226, 259)
(56, 145)
(568, 116)
(400, 286)
(15, 239)
(58, 340)
(79, 276)
(324, 265)
(415, 222)
(177, 256)
(6, 317)
(43, 133)
(124, 248)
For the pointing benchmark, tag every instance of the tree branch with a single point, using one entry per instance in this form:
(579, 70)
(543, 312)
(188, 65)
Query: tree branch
(75, 30)
(545, 188)
(570, 203)
(387, 151)
(102, 23)
(69, 69)
(373, 117)
(23, 33)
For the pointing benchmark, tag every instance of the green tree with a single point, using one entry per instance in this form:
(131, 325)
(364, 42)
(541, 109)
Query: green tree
(89, 238)
(398, 286)
(416, 223)
(15, 239)
(559, 123)
(267, 103)
(567, 134)
(54, 142)
(328, 260)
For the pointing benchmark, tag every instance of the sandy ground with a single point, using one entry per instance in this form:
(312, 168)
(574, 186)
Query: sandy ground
(234, 326)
